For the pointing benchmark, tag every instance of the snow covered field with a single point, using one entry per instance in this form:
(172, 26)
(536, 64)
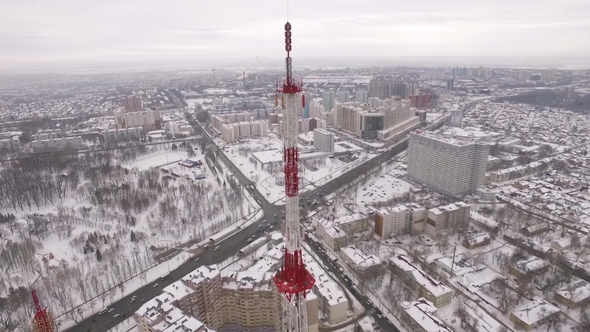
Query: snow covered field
(114, 216)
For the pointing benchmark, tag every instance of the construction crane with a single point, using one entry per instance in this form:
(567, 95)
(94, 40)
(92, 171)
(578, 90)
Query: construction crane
(293, 280)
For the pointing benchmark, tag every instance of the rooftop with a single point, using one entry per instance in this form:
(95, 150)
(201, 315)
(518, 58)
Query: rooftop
(360, 259)
(535, 310)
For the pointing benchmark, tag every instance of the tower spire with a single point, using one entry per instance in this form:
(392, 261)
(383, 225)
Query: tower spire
(293, 280)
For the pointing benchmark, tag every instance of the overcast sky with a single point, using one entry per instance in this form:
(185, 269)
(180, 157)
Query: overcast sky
(68, 31)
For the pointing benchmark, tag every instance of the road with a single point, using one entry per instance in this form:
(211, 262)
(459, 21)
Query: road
(232, 245)
(369, 306)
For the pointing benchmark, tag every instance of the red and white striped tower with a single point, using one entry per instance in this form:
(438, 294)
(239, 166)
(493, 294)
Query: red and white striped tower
(293, 280)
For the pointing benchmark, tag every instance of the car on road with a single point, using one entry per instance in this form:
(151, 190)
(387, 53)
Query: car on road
(111, 310)
(103, 311)
(249, 240)
(116, 315)
(155, 285)
(133, 299)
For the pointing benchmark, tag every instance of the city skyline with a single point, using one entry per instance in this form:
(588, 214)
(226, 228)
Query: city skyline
(65, 32)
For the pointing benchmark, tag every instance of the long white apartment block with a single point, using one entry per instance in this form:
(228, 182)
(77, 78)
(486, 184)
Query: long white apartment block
(450, 166)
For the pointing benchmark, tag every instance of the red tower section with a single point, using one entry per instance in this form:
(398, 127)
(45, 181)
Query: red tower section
(42, 321)
(293, 280)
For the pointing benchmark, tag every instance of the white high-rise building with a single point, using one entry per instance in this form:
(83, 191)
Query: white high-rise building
(323, 140)
(456, 118)
(449, 166)
(361, 96)
(328, 100)
(548, 75)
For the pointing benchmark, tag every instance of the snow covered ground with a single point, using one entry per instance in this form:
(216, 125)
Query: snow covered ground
(269, 177)
(127, 288)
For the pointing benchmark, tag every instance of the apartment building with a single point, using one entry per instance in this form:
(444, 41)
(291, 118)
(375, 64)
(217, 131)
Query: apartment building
(382, 121)
(58, 144)
(448, 219)
(328, 100)
(383, 87)
(131, 103)
(361, 96)
(419, 316)
(149, 120)
(114, 135)
(425, 286)
(360, 263)
(339, 232)
(450, 166)
(323, 140)
(249, 302)
(331, 235)
(10, 144)
(234, 131)
(398, 220)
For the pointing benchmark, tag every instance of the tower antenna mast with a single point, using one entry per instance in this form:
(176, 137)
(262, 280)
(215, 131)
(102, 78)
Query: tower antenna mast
(293, 280)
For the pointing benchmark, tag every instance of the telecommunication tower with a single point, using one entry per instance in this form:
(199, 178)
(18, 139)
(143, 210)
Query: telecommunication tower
(42, 322)
(293, 280)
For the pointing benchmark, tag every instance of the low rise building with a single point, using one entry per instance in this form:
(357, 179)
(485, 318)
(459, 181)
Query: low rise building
(528, 268)
(419, 316)
(534, 313)
(339, 232)
(361, 263)
(477, 239)
(448, 219)
(574, 295)
(426, 286)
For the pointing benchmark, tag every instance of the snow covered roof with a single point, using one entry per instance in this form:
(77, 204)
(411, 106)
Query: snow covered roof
(360, 259)
(422, 312)
(529, 265)
(259, 281)
(203, 273)
(434, 286)
(534, 311)
(576, 292)
(482, 220)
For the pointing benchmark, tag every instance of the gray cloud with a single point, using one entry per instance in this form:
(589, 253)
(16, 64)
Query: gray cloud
(63, 31)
